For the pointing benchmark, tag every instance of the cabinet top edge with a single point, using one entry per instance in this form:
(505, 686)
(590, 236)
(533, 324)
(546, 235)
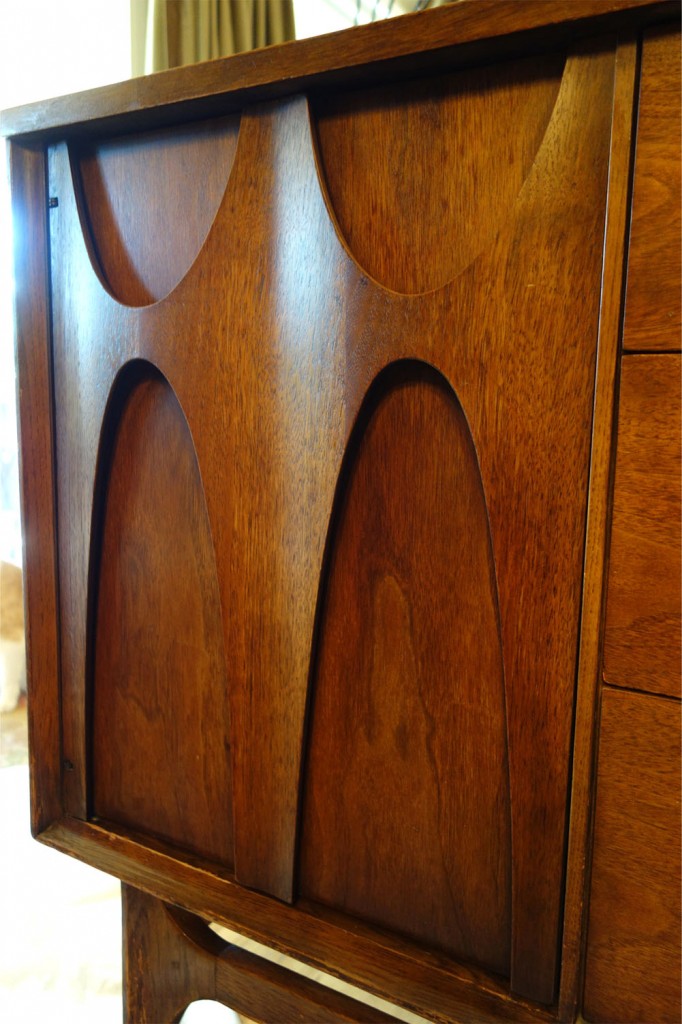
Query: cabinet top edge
(462, 32)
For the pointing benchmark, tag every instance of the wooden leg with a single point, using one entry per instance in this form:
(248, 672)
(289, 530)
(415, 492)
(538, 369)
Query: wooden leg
(171, 958)
(163, 969)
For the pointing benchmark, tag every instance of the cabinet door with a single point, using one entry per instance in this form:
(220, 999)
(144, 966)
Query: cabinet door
(322, 489)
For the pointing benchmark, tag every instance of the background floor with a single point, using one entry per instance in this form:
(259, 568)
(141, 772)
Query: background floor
(60, 920)
(60, 932)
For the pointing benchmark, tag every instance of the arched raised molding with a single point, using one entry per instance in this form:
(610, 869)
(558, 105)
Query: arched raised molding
(405, 818)
(158, 714)
(143, 215)
(413, 201)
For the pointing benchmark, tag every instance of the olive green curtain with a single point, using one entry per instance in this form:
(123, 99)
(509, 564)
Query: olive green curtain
(187, 31)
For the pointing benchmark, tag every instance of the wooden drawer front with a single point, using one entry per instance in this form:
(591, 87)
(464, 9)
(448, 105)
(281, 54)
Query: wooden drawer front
(652, 312)
(633, 951)
(642, 645)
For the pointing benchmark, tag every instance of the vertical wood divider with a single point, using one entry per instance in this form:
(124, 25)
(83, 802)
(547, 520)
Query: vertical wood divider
(594, 573)
(37, 476)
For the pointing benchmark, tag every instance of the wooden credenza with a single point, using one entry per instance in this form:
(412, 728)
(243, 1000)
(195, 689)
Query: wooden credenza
(350, 421)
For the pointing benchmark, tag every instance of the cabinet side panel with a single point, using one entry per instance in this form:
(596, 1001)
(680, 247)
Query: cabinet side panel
(33, 353)
(289, 334)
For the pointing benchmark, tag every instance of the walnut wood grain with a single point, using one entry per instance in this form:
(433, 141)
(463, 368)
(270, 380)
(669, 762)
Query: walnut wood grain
(143, 249)
(163, 969)
(269, 994)
(463, 33)
(643, 642)
(427, 984)
(172, 959)
(633, 953)
(417, 210)
(653, 318)
(271, 342)
(28, 177)
(598, 525)
(160, 743)
(520, 573)
(406, 818)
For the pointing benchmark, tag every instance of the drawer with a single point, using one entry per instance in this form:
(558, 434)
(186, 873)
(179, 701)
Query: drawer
(652, 311)
(642, 642)
(633, 949)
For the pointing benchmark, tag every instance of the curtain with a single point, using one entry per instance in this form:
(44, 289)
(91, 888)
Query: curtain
(179, 32)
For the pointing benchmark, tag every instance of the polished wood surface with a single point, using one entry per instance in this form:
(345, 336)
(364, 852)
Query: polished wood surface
(159, 683)
(449, 36)
(324, 454)
(642, 645)
(430, 985)
(143, 249)
(289, 335)
(597, 528)
(653, 318)
(633, 953)
(28, 178)
(407, 808)
(413, 223)
(171, 958)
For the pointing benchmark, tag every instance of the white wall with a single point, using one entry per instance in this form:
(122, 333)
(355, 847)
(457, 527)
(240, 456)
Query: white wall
(316, 17)
(52, 47)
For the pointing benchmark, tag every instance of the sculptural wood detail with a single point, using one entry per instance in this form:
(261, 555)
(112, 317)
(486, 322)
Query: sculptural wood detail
(321, 489)
(160, 680)
(143, 248)
(406, 815)
(414, 221)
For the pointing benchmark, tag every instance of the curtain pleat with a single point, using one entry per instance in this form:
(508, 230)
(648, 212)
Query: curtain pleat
(187, 31)
(169, 33)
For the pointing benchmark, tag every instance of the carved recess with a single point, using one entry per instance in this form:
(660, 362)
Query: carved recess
(160, 755)
(406, 819)
(148, 202)
(419, 206)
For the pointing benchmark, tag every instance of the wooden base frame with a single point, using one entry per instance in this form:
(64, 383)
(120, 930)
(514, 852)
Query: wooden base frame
(172, 958)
